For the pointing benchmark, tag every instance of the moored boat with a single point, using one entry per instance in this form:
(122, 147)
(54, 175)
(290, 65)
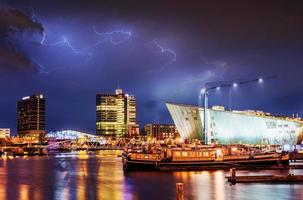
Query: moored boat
(206, 157)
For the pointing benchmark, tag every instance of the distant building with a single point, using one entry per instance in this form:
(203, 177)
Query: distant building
(161, 131)
(5, 132)
(116, 115)
(31, 116)
(68, 135)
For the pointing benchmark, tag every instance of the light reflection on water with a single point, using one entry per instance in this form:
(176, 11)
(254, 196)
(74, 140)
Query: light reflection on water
(3, 179)
(100, 176)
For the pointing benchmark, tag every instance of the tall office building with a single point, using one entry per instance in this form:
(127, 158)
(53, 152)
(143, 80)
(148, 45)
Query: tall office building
(116, 114)
(31, 116)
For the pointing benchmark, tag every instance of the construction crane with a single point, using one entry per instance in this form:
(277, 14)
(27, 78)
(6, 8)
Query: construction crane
(217, 86)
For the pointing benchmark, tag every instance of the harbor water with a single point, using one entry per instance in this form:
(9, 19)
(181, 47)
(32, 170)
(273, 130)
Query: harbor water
(99, 175)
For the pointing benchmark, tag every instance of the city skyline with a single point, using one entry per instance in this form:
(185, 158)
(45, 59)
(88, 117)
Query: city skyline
(166, 57)
(119, 94)
(159, 99)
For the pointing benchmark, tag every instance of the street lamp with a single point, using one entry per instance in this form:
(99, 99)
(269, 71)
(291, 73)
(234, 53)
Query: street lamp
(203, 90)
(260, 80)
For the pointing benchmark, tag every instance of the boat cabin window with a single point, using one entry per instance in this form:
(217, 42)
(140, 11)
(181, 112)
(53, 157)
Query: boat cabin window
(184, 153)
(177, 153)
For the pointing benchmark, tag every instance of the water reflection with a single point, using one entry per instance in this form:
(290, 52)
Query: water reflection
(219, 184)
(204, 184)
(100, 176)
(3, 178)
(24, 192)
(110, 180)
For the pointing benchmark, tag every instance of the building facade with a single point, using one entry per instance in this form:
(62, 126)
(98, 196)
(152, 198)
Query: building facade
(31, 116)
(235, 127)
(116, 115)
(161, 131)
(5, 132)
(68, 135)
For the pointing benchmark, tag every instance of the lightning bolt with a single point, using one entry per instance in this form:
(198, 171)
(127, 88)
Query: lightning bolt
(163, 51)
(31, 12)
(66, 42)
(220, 65)
(43, 38)
(33, 17)
(114, 37)
(41, 67)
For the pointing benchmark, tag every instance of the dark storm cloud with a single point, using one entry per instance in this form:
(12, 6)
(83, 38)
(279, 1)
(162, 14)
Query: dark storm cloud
(13, 23)
(12, 60)
(13, 20)
(202, 41)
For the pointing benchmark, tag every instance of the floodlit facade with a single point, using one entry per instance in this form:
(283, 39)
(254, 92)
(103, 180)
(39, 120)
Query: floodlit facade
(235, 127)
(31, 116)
(116, 114)
(68, 135)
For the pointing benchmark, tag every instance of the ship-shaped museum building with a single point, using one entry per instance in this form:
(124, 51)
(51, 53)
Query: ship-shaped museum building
(235, 127)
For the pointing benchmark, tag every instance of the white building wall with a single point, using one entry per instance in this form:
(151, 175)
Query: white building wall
(233, 128)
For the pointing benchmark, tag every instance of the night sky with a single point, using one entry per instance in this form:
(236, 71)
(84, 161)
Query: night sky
(157, 50)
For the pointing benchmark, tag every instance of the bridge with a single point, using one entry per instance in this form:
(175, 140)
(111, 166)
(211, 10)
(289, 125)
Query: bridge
(69, 140)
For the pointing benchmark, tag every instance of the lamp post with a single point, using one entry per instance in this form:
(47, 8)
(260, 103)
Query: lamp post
(206, 117)
(204, 92)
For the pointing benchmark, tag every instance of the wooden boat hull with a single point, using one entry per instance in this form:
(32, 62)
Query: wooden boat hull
(268, 163)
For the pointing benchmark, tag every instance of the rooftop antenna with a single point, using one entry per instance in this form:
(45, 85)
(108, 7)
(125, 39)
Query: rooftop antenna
(118, 89)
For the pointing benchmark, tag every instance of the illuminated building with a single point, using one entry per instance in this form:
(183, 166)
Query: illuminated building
(68, 135)
(5, 132)
(161, 131)
(235, 127)
(31, 116)
(116, 114)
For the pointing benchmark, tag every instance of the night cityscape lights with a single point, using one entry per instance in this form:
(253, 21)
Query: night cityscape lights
(145, 100)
